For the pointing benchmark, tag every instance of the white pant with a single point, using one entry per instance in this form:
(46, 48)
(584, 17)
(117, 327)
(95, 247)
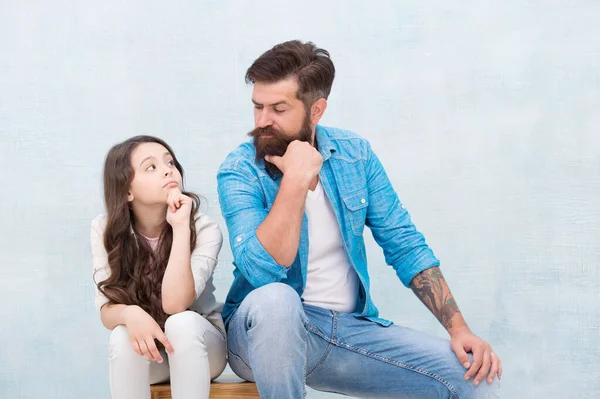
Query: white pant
(200, 356)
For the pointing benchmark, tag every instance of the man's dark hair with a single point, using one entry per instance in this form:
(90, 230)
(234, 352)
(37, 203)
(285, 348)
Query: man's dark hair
(309, 65)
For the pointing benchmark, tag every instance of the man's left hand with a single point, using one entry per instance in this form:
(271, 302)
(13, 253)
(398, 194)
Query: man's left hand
(485, 361)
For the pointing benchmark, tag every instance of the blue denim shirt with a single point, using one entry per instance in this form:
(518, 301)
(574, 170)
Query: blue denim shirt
(361, 195)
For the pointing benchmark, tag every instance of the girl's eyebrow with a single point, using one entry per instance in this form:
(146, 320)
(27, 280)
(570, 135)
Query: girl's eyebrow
(145, 159)
(151, 157)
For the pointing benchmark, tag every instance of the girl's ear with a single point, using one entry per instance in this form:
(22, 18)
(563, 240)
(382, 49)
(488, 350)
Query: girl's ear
(130, 197)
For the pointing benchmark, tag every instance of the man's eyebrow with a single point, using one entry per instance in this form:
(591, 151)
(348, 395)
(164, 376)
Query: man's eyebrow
(271, 105)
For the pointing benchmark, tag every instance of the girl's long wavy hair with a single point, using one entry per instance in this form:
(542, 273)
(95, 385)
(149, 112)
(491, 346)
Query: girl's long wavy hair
(136, 271)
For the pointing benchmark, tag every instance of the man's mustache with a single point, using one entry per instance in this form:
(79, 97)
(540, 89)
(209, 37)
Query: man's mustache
(265, 131)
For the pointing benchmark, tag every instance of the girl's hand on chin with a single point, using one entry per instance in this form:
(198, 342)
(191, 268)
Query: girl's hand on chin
(179, 208)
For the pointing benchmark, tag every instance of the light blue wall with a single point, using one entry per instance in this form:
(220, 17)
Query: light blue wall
(485, 114)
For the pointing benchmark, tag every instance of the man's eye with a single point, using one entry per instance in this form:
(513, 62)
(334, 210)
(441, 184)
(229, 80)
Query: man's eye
(279, 111)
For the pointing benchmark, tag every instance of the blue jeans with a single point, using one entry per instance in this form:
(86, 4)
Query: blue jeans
(283, 345)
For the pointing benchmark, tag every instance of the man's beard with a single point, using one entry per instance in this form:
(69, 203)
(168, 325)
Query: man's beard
(277, 144)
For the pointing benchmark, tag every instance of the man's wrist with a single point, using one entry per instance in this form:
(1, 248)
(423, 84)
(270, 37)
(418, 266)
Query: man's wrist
(300, 181)
(458, 328)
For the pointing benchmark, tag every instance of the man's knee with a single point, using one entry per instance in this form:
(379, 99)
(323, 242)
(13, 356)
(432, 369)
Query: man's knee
(275, 301)
(273, 309)
(468, 389)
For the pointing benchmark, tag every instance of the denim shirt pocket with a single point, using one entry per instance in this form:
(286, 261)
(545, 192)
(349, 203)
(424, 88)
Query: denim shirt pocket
(357, 204)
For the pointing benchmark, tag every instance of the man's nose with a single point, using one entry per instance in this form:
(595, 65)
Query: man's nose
(264, 120)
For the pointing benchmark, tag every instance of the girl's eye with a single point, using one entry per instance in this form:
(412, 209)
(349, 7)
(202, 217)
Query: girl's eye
(150, 167)
(170, 163)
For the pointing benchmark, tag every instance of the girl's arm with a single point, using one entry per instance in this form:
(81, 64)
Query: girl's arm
(109, 314)
(184, 282)
(178, 282)
(206, 254)
(113, 315)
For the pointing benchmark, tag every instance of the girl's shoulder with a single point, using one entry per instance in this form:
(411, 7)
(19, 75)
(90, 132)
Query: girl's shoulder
(207, 229)
(203, 220)
(99, 221)
(98, 225)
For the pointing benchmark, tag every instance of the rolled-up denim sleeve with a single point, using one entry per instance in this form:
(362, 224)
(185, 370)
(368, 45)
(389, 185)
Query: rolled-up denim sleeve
(244, 209)
(403, 245)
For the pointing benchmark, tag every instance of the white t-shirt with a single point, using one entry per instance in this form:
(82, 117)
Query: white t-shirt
(203, 262)
(331, 283)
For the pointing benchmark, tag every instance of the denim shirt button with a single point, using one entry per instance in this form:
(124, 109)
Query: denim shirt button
(362, 201)
(239, 239)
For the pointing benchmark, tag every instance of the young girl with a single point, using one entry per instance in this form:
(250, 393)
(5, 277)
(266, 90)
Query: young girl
(154, 256)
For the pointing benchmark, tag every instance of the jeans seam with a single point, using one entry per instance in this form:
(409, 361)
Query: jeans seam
(305, 322)
(419, 370)
(321, 361)
(319, 333)
(334, 329)
(325, 338)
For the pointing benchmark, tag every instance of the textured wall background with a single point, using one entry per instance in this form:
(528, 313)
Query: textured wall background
(486, 115)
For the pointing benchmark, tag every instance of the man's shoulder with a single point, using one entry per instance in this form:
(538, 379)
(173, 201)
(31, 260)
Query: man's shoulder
(244, 154)
(337, 134)
(346, 142)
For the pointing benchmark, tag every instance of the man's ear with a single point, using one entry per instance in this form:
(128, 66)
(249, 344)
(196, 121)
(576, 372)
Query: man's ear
(317, 110)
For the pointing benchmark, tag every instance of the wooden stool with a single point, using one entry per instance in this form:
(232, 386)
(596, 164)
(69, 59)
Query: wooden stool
(227, 386)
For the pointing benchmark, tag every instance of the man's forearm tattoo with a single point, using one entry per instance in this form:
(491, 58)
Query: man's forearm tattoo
(431, 288)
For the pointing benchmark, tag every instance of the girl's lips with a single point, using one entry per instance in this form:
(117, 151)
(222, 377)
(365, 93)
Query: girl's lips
(171, 183)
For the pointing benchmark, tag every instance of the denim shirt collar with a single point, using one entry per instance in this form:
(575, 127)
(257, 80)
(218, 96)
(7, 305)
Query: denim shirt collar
(324, 143)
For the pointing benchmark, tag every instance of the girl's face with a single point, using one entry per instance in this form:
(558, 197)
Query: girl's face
(155, 175)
